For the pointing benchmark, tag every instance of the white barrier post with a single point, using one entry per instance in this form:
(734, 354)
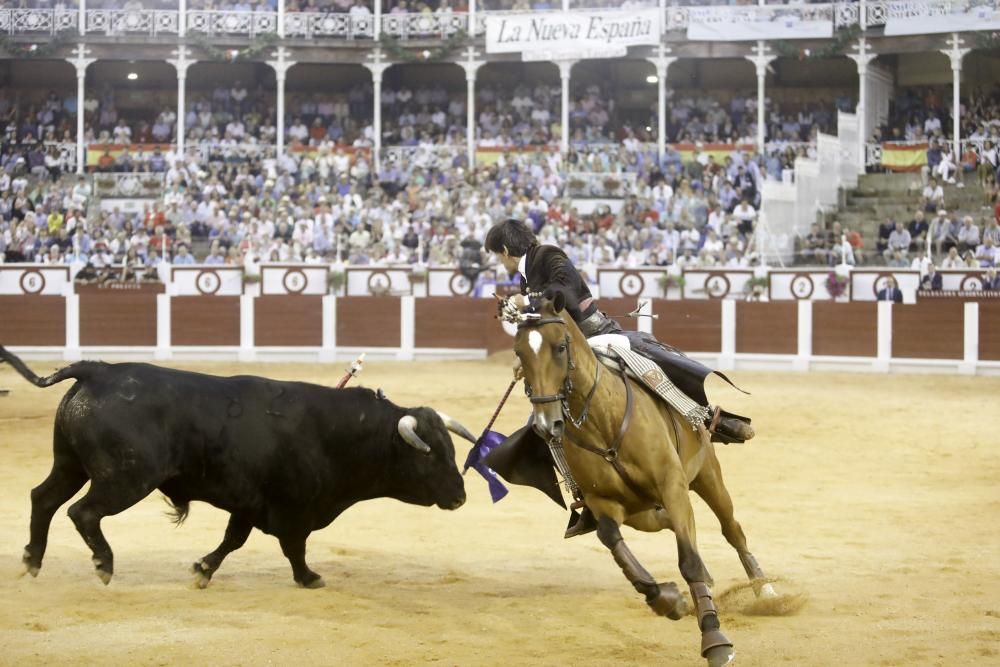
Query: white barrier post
(247, 351)
(884, 353)
(329, 350)
(727, 360)
(970, 358)
(805, 331)
(163, 324)
(72, 350)
(407, 328)
(645, 324)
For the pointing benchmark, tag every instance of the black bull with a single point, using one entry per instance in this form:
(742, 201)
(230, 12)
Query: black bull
(283, 457)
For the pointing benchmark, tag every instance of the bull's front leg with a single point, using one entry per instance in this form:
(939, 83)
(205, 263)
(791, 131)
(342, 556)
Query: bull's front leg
(236, 536)
(663, 599)
(294, 548)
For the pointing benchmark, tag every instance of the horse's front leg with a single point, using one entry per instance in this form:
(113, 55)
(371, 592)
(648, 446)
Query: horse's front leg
(664, 599)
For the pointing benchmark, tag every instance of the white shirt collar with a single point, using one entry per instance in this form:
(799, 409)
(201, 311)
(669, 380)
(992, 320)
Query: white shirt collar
(522, 266)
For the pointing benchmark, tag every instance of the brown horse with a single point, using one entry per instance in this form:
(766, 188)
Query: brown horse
(634, 459)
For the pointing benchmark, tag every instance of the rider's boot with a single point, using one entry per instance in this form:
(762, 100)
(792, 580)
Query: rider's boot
(580, 523)
(727, 427)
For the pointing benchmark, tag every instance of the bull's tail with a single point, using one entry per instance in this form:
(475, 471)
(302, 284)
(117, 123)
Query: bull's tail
(178, 511)
(77, 371)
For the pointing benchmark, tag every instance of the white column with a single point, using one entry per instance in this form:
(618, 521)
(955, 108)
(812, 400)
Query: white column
(805, 333)
(163, 314)
(182, 18)
(377, 67)
(407, 327)
(662, 63)
(471, 66)
(71, 352)
(727, 360)
(884, 344)
(565, 68)
(281, 19)
(181, 63)
(82, 27)
(281, 64)
(644, 324)
(80, 62)
(862, 58)
(247, 351)
(565, 5)
(761, 60)
(377, 28)
(955, 54)
(329, 350)
(970, 356)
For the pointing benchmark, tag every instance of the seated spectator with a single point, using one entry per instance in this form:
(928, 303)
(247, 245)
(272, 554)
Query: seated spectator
(932, 196)
(953, 260)
(931, 279)
(968, 235)
(890, 292)
(899, 245)
(986, 254)
(990, 280)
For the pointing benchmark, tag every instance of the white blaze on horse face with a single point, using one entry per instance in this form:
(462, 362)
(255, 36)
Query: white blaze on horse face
(535, 341)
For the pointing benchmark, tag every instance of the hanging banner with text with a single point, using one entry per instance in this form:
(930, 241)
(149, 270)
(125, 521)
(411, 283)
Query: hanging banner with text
(933, 16)
(575, 34)
(737, 24)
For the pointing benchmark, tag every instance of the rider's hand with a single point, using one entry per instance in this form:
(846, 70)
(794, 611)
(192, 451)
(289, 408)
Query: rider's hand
(518, 370)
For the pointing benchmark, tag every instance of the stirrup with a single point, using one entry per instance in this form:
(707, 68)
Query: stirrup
(729, 428)
(580, 523)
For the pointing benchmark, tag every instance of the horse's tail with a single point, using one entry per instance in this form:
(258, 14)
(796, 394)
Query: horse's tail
(81, 370)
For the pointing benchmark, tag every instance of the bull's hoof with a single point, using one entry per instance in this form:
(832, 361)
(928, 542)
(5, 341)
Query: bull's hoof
(202, 575)
(668, 601)
(30, 567)
(720, 656)
(103, 574)
(313, 583)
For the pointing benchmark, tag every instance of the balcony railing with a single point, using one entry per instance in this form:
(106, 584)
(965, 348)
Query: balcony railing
(232, 23)
(125, 22)
(427, 26)
(144, 185)
(38, 21)
(328, 24)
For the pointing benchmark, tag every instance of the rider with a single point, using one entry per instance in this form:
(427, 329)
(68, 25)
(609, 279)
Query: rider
(546, 269)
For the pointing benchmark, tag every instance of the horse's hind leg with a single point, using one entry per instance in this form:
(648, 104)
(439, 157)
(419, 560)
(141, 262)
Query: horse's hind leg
(715, 647)
(712, 489)
(663, 599)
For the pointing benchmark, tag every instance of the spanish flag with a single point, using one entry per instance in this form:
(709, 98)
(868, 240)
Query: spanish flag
(904, 157)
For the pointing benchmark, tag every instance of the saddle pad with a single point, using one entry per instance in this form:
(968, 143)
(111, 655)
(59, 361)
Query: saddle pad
(651, 375)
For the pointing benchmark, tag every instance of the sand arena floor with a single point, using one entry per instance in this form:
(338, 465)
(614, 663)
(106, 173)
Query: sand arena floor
(876, 497)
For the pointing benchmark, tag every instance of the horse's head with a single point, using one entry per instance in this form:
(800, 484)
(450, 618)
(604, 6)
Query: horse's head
(543, 345)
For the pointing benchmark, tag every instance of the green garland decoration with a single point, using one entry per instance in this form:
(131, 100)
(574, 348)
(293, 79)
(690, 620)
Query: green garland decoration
(41, 49)
(250, 52)
(840, 45)
(397, 53)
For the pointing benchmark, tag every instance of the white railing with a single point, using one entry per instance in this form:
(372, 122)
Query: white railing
(140, 21)
(328, 24)
(34, 21)
(873, 155)
(232, 23)
(212, 151)
(416, 26)
(424, 156)
(129, 185)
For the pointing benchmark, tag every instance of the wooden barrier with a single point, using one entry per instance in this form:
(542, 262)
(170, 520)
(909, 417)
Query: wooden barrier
(288, 321)
(205, 320)
(989, 331)
(118, 317)
(368, 321)
(766, 328)
(33, 320)
(931, 330)
(692, 326)
(845, 329)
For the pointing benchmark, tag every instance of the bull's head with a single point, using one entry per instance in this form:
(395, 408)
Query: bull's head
(431, 475)
(542, 344)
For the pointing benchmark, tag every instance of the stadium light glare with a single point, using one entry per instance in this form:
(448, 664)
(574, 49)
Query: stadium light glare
(652, 78)
(132, 76)
(426, 54)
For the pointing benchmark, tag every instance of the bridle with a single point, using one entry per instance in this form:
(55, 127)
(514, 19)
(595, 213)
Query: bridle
(567, 385)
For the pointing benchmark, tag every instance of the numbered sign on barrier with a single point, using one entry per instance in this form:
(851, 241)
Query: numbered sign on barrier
(716, 283)
(865, 284)
(36, 279)
(312, 279)
(804, 285)
(376, 281)
(638, 282)
(207, 280)
(448, 282)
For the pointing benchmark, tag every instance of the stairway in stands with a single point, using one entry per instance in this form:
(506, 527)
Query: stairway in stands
(897, 196)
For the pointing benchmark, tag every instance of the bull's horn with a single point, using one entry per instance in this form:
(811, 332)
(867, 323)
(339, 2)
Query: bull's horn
(408, 429)
(455, 427)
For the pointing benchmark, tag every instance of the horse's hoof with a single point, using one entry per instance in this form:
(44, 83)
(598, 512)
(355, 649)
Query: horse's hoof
(105, 577)
(767, 591)
(720, 656)
(668, 602)
(315, 583)
(29, 568)
(200, 581)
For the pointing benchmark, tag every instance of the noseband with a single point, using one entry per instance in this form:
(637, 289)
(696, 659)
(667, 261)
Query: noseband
(567, 385)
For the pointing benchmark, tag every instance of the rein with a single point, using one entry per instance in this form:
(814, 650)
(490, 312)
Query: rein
(611, 453)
